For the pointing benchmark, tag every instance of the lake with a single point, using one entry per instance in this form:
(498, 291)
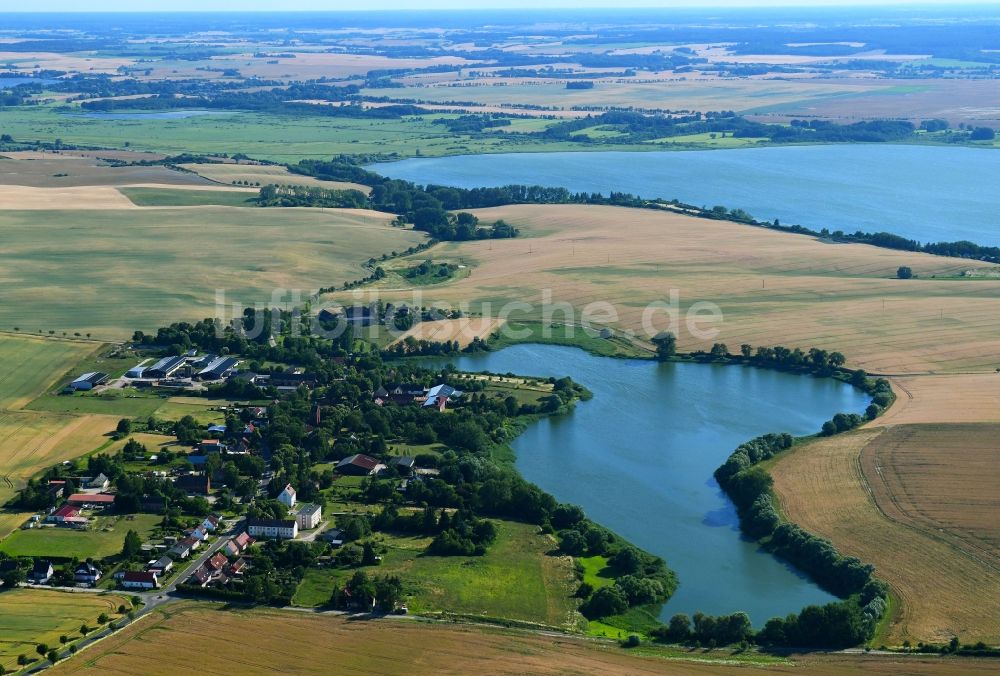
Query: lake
(7, 82)
(639, 459)
(154, 115)
(927, 193)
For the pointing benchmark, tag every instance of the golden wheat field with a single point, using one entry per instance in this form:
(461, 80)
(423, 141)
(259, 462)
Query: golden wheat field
(772, 288)
(309, 643)
(943, 590)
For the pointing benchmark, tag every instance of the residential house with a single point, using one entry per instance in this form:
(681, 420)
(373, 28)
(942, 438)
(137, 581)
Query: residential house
(238, 567)
(282, 529)
(41, 572)
(87, 572)
(64, 512)
(440, 395)
(198, 533)
(195, 484)
(359, 465)
(242, 541)
(334, 536)
(309, 516)
(161, 567)
(217, 561)
(210, 523)
(56, 489)
(287, 496)
(91, 500)
(100, 482)
(211, 446)
(181, 550)
(200, 577)
(192, 542)
(133, 579)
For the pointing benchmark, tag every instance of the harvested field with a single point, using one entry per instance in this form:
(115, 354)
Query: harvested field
(773, 288)
(165, 265)
(463, 330)
(51, 170)
(940, 479)
(25, 198)
(945, 398)
(943, 591)
(264, 174)
(31, 441)
(32, 616)
(399, 646)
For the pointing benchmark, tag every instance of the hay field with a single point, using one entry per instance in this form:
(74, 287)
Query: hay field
(773, 288)
(32, 616)
(264, 174)
(111, 272)
(943, 591)
(941, 479)
(327, 643)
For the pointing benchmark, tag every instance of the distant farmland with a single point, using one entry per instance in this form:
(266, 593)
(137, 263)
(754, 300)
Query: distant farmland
(112, 272)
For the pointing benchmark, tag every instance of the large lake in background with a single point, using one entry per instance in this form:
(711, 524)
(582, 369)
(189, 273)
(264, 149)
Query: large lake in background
(927, 193)
(639, 458)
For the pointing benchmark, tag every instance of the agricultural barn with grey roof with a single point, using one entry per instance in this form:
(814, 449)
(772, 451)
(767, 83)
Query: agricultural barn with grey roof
(165, 367)
(218, 368)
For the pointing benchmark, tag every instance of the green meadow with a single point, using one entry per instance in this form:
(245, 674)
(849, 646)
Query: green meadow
(111, 272)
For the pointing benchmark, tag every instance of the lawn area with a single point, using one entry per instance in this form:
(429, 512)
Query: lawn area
(126, 403)
(594, 571)
(517, 579)
(556, 335)
(166, 197)
(32, 616)
(30, 365)
(105, 538)
(202, 410)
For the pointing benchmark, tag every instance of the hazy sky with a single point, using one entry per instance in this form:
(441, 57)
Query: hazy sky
(331, 5)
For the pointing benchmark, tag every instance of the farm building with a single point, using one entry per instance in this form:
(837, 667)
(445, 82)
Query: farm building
(287, 497)
(136, 372)
(88, 381)
(91, 499)
(404, 464)
(281, 529)
(219, 368)
(165, 368)
(359, 465)
(63, 513)
(309, 516)
(136, 580)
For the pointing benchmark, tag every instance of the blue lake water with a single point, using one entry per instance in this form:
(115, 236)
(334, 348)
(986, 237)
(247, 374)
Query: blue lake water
(154, 115)
(927, 193)
(639, 458)
(6, 82)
